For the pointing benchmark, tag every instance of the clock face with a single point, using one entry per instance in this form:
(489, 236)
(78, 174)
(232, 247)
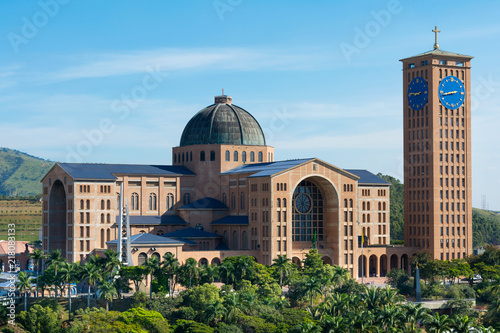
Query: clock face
(418, 92)
(451, 92)
(303, 203)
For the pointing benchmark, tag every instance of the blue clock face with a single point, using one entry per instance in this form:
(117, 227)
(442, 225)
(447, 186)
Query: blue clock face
(451, 92)
(418, 92)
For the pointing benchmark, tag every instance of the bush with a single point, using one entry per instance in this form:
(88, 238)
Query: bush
(255, 324)
(460, 291)
(190, 326)
(40, 319)
(197, 297)
(224, 328)
(184, 313)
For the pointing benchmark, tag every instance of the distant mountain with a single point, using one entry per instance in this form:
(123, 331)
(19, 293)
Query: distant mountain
(485, 223)
(20, 173)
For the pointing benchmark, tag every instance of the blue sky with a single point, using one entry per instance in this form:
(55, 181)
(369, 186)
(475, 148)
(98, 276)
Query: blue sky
(116, 81)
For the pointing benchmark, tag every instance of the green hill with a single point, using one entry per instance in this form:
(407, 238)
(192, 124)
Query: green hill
(485, 224)
(20, 173)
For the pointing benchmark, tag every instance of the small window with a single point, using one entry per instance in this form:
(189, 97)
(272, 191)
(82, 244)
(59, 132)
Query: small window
(202, 155)
(244, 156)
(186, 199)
(412, 65)
(235, 157)
(260, 156)
(252, 156)
(228, 155)
(442, 62)
(212, 155)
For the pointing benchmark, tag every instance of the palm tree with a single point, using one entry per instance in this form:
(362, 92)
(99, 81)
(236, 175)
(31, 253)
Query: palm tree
(91, 273)
(391, 318)
(37, 255)
(69, 274)
(313, 288)
(244, 266)
(214, 312)
(282, 265)
(151, 266)
(463, 324)
(227, 272)
(170, 265)
(24, 284)
(437, 323)
(107, 291)
(232, 304)
(414, 313)
(111, 261)
(191, 269)
(55, 259)
(209, 273)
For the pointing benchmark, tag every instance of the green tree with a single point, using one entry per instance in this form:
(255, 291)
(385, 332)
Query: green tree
(313, 288)
(91, 273)
(170, 266)
(107, 292)
(190, 270)
(437, 323)
(37, 256)
(198, 296)
(69, 274)
(55, 259)
(151, 267)
(40, 319)
(282, 265)
(135, 274)
(214, 312)
(208, 273)
(24, 285)
(463, 324)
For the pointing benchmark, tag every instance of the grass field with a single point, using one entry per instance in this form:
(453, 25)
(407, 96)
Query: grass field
(25, 214)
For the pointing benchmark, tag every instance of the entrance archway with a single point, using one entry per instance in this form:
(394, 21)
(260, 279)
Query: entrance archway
(372, 266)
(394, 261)
(383, 265)
(327, 260)
(404, 262)
(57, 218)
(362, 266)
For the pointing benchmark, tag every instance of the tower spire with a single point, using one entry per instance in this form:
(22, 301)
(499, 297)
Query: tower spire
(436, 31)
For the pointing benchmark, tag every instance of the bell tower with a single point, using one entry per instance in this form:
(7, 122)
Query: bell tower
(437, 153)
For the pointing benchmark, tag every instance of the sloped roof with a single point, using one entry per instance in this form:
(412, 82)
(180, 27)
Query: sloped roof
(232, 220)
(367, 178)
(205, 203)
(20, 247)
(108, 171)
(440, 53)
(145, 238)
(191, 233)
(266, 169)
(155, 220)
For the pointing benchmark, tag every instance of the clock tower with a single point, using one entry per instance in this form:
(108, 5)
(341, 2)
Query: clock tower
(437, 153)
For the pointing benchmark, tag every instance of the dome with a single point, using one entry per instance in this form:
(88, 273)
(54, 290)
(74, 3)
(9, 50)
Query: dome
(223, 123)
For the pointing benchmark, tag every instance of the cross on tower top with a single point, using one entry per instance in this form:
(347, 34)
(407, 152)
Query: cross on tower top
(436, 31)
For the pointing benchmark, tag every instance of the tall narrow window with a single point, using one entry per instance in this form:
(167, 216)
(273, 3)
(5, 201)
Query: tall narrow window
(242, 200)
(186, 200)
(134, 202)
(224, 199)
(244, 156)
(152, 201)
(235, 157)
(233, 201)
(278, 202)
(260, 156)
(170, 201)
(212, 155)
(228, 155)
(202, 155)
(252, 156)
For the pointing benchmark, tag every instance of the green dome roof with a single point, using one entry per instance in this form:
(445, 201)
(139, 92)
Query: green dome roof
(223, 123)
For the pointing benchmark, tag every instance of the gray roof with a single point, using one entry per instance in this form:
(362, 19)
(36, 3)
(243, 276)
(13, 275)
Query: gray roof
(367, 178)
(223, 124)
(108, 171)
(190, 233)
(439, 52)
(205, 203)
(266, 169)
(232, 220)
(145, 238)
(155, 220)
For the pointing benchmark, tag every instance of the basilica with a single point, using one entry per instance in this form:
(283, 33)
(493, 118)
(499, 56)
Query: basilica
(224, 195)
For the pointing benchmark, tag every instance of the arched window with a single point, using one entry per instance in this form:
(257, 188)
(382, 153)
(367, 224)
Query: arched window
(242, 200)
(212, 155)
(228, 156)
(350, 203)
(134, 202)
(102, 205)
(260, 156)
(368, 205)
(367, 217)
(183, 157)
(278, 202)
(244, 240)
(364, 218)
(224, 237)
(345, 203)
(82, 204)
(284, 202)
(307, 208)
(108, 235)
(152, 201)
(175, 158)
(170, 201)
(233, 201)
(284, 185)
(108, 204)
(385, 207)
(244, 156)
(364, 205)
(102, 218)
(202, 155)
(160, 232)
(156, 255)
(102, 238)
(379, 206)
(224, 199)
(142, 259)
(186, 200)
(252, 156)
(88, 204)
(108, 218)
(191, 156)
(235, 240)
(235, 157)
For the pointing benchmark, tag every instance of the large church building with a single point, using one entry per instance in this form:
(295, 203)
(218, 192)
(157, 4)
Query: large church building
(225, 195)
